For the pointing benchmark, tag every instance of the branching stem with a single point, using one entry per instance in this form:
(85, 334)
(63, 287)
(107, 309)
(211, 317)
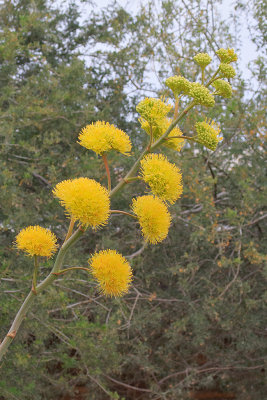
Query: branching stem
(182, 137)
(122, 212)
(132, 179)
(62, 271)
(104, 156)
(71, 226)
(35, 274)
(202, 75)
(175, 114)
(213, 78)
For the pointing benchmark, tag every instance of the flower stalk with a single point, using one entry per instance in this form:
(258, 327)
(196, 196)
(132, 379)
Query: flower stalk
(104, 156)
(71, 226)
(35, 274)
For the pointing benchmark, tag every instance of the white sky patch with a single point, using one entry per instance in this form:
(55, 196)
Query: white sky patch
(248, 50)
(227, 12)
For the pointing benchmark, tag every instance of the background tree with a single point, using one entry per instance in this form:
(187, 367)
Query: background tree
(193, 323)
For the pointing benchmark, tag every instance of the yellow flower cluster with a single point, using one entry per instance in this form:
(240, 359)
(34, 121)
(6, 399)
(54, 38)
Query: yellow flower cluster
(37, 241)
(178, 84)
(159, 128)
(202, 59)
(163, 177)
(85, 200)
(226, 55)
(223, 88)
(153, 216)
(227, 71)
(207, 134)
(112, 271)
(102, 137)
(153, 110)
(201, 95)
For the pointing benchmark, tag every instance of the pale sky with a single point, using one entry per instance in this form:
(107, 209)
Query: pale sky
(247, 47)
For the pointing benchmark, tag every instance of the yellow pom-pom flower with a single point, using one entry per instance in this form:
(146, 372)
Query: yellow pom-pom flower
(112, 271)
(163, 177)
(159, 128)
(102, 137)
(208, 134)
(227, 71)
(153, 110)
(178, 84)
(36, 241)
(202, 59)
(153, 216)
(85, 200)
(201, 95)
(223, 88)
(227, 55)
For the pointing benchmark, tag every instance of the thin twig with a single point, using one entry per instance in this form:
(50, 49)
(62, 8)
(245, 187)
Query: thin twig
(104, 156)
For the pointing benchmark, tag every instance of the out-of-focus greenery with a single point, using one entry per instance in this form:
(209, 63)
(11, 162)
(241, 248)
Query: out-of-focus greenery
(193, 322)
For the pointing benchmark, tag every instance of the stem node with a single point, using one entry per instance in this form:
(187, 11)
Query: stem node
(12, 334)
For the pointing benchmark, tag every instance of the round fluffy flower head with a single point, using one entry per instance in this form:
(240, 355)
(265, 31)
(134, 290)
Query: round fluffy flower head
(163, 177)
(202, 59)
(112, 271)
(227, 55)
(102, 137)
(208, 134)
(201, 95)
(227, 71)
(85, 200)
(178, 84)
(159, 128)
(153, 110)
(154, 217)
(223, 88)
(37, 241)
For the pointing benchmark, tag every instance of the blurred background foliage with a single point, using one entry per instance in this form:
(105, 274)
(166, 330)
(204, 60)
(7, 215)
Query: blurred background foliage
(192, 325)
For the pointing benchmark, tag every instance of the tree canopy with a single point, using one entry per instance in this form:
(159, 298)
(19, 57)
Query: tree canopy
(193, 322)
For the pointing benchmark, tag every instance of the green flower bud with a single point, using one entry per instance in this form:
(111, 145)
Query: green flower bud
(227, 55)
(153, 110)
(227, 70)
(223, 88)
(178, 84)
(202, 59)
(207, 134)
(201, 95)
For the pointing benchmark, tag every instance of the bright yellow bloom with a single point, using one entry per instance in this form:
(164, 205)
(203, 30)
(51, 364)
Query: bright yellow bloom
(178, 84)
(159, 128)
(163, 177)
(85, 200)
(201, 95)
(153, 110)
(154, 217)
(223, 88)
(112, 271)
(102, 137)
(227, 55)
(227, 71)
(202, 59)
(37, 241)
(207, 134)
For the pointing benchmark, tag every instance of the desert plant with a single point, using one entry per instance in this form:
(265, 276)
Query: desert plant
(87, 202)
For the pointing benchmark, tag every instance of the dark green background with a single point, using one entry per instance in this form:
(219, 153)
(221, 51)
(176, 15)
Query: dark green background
(193, 323)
